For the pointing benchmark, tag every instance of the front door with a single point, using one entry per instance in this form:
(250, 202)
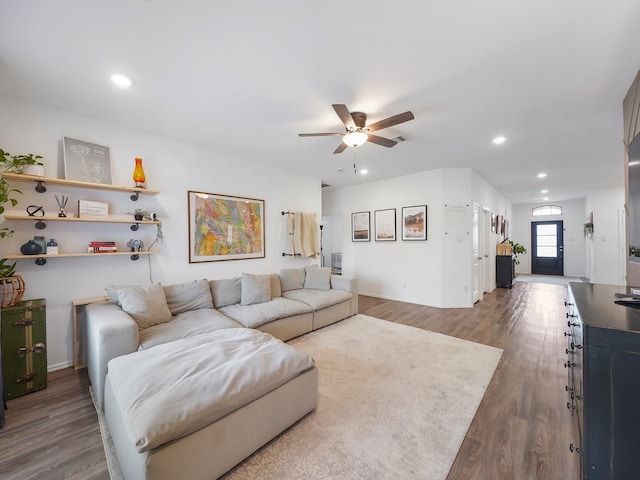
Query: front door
(547, 248)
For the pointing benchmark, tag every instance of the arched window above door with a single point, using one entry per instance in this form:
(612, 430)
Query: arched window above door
(546, 210)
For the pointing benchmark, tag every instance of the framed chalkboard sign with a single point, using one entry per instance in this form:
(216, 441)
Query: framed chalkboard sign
(86, 162)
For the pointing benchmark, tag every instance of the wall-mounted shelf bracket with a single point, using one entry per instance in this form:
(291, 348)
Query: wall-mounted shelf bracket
(40, 188)
(134, 197)
(135, 227)
(41, 261)
(40, 225)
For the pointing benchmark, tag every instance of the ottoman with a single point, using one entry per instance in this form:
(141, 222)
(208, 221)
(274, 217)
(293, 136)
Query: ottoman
(196, 407)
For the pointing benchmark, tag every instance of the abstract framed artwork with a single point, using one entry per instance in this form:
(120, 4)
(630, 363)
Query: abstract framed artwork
(224, 227)
(385, 225)
(86, 162)
(361, 227)
(414, 222)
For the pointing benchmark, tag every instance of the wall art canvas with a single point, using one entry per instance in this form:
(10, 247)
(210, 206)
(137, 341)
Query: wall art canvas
(385, 225)
(360, 227)
(414, 223)
(86, 162)
(224, 227)
(493, 222)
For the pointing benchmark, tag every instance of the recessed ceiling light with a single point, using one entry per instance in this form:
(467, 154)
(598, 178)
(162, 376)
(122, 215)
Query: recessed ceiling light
(542, 175)
(364, 171)
(121, 81)
(544, 191)
(499, 140)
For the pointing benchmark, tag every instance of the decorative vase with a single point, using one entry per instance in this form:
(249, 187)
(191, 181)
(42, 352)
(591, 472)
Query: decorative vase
(11, 290)
(30, 248)
(138, 174)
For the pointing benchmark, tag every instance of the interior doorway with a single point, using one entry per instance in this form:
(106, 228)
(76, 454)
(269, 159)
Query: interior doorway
(547, 248)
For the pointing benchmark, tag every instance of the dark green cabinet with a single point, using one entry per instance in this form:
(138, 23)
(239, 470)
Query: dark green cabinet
(505, 271)
(23, 333)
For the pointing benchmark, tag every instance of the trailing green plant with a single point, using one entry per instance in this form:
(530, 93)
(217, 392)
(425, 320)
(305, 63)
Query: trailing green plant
(517, 249)
(145, 215)
(588, 230)
(6, 270)
(12, 164)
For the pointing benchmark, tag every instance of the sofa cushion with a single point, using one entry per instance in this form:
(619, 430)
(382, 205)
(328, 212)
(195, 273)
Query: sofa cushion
(318, 299)
(146, 305)
(112, 292)
(255, 289)
(253, 316)
(226, 291)
(183, 325)
(317, 278)
(291, 278)
(276, 288)
(192, 295)
(209, 377)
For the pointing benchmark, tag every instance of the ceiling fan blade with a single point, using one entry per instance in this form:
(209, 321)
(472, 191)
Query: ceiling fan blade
(345, 116)
(341, 148)
(389, 122)
(385, 142)
(319, 134)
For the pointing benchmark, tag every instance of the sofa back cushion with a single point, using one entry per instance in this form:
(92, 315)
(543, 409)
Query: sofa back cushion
(276, 288)
(317, 278)
(226, 291)
(187, 296)
(146, 305)
(255, 289)
(292, 279)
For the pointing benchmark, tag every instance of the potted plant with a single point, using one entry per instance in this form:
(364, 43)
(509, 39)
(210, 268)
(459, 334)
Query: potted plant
(12, 164)
(11, 285)
(517, 249)
(144, 215)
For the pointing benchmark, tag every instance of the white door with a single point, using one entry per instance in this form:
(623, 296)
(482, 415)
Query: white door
(476, 272)
(485, 235)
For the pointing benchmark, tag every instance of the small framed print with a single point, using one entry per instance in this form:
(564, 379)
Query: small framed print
(385, 225)
(414, 223)
(86, 162)
(89, 209)
(361, 227)
(493, 222)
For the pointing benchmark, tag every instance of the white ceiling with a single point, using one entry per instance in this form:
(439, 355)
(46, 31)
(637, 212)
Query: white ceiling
(245, 77)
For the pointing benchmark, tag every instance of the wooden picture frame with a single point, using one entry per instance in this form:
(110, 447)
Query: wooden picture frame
(493, 222)
(414, 223)
(361, 227)
(225, 227)
(86, 162)
(385, 225)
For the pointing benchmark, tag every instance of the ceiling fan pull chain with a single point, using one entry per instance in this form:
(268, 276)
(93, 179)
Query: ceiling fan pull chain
(354, 161)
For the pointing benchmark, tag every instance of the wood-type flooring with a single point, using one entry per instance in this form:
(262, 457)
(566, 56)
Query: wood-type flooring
(522, 429)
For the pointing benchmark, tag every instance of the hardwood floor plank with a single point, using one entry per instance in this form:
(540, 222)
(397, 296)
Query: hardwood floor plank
(521, 430)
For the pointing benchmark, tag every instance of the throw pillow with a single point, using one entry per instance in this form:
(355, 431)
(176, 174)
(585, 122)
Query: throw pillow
(146, 305)
(225, 292)
(276, 288)
(291, 279)
(187, 296)
(112, 291)
(255, 289)
(317, 278)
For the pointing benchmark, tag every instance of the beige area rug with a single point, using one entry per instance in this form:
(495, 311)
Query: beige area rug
(547, 279)
(395, 402)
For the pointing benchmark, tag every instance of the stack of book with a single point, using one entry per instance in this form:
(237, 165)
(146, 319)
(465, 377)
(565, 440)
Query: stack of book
(102, 247)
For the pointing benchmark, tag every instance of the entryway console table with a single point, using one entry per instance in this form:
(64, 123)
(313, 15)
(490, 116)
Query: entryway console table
(603, 388)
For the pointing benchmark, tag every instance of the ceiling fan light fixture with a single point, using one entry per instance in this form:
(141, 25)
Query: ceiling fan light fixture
(355, 139)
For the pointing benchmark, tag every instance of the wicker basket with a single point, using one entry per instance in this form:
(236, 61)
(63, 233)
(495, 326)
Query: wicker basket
(11, 290)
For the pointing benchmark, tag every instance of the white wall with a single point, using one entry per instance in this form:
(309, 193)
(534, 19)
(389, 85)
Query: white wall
(608, 246)
(573, 218)
(436, 272)
(171, 167)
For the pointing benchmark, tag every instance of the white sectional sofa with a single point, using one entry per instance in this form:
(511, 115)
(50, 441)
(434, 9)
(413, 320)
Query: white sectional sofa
(156, 325)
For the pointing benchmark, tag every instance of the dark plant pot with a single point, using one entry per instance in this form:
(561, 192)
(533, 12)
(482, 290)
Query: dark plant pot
(30, 248)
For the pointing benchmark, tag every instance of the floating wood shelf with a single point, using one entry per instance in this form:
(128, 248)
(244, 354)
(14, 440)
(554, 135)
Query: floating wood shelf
(41, 259)
(9, 216)
(19, 177)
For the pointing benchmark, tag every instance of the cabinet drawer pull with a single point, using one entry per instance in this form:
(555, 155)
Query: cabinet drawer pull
(574, 449)
(24, 323)
(26, 378)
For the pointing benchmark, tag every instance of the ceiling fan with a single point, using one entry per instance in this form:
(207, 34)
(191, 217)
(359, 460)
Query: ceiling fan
(357, 130)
